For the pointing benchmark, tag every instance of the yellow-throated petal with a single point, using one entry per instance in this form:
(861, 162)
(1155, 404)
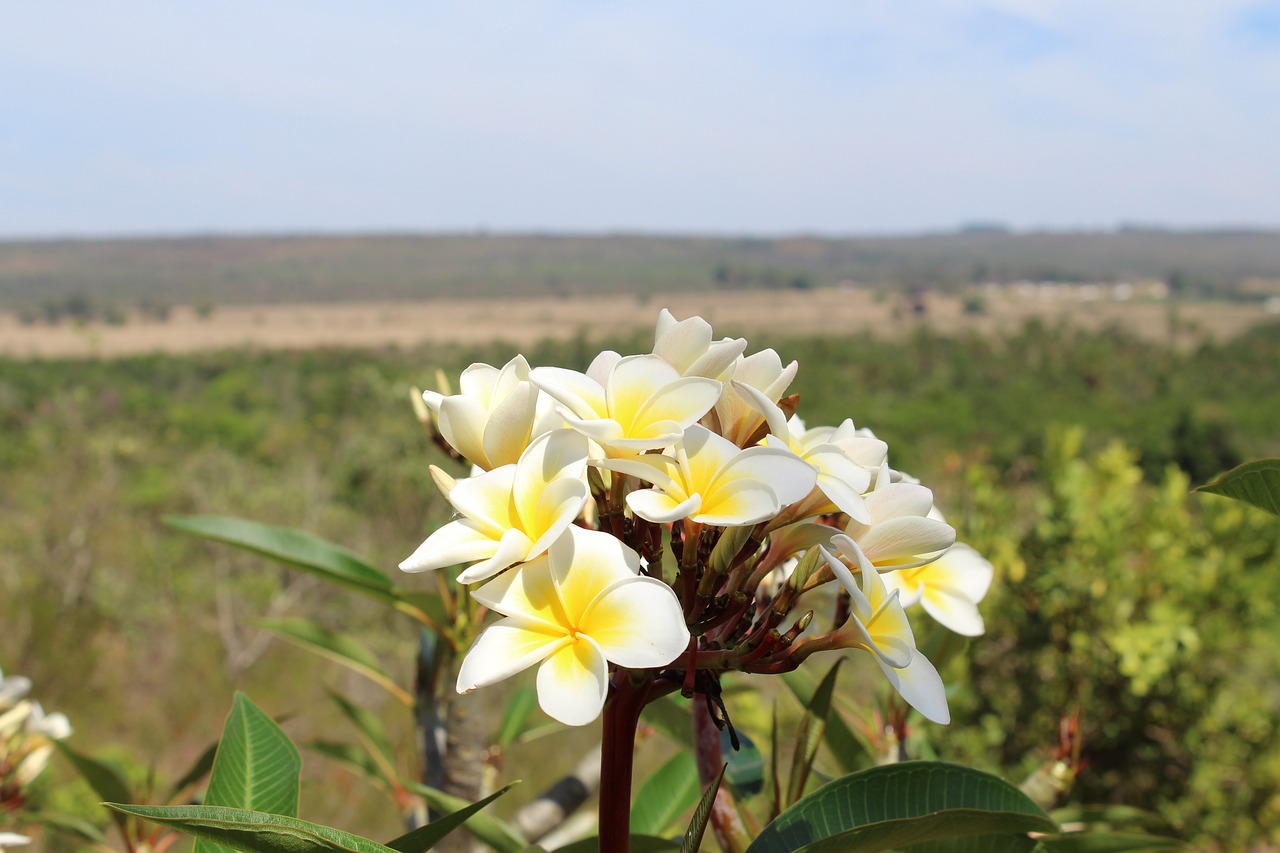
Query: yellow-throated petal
(638, 623)
(505, 648)
(573, 682)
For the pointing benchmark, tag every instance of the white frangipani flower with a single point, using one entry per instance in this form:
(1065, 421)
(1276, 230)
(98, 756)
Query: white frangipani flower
(628, 405)
(878, 624)
(949, 588)
(512, 513)
(575, 610)
(843, 458)
(493, 418)
(686, 345)
(13, 839)
(734, 416)
(712, 481)
(900, 533)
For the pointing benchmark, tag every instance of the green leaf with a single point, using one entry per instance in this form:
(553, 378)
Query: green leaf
(698, 826)
(849, 751)
(1106, 842)
(809, 734)
(496, 833)
(104, 777)
(256, 767)
(339, 648)
(639, 844)
(1256, 483)
(372, 736)
(884, 808)
(977, 844)
(424, 837)
(668, 792)
(519, 706)
(296, 548)
(253, 831)
(198, 770)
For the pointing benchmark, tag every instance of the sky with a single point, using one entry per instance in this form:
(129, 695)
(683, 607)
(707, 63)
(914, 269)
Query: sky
(850, 117)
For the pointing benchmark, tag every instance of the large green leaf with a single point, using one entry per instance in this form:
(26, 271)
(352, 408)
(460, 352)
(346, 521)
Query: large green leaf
(105, 778)
(253, 831)
(887, 807)
(496, 833)
(256, 767)
(1256, 483)
(339, 648)
(664, 795)
(1106, 842)
(297, 548)
(424, 837)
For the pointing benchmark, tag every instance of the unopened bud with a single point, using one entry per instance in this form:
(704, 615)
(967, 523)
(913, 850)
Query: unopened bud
(420, 410)
(443, 481)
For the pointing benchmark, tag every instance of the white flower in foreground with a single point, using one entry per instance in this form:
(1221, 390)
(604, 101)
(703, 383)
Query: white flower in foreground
(13, 839)
(492, 420)
(575, 610)
(878, 624)
(948, 589)
(510, 514)
(900, 534)
(735, 417)
(686, 345)
(628, 405)
(712, 481)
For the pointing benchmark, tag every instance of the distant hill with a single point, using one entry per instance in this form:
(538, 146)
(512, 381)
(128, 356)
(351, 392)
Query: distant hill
(254, 270)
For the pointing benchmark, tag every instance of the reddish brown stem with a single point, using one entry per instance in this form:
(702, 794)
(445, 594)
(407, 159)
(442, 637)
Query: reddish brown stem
(725, 820)
(621, 715)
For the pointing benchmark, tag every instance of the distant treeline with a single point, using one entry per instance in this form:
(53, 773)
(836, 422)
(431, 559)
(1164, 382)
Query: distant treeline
(39, 277)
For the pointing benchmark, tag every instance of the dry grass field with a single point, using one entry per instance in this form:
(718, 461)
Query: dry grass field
(521, 321)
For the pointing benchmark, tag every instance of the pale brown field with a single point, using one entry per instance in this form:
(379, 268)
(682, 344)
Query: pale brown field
(521, 321)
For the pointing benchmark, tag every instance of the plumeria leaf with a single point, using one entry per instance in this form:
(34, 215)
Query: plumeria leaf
(809, 733)
(1255, 483)
(672, 789)
(296, 548)
(745, 773)
(353, 757)
(519, 705)
(888, 807)
(424, 837)
(849, 750)
(253, 831)
(339, 648)
(698, 826)
(105, 778)
(256, 767)
(502, 837)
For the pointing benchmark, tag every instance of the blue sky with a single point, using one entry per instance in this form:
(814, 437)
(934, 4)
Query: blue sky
(142, 117)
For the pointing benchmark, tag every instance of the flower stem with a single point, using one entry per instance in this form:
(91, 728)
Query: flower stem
(621, 716)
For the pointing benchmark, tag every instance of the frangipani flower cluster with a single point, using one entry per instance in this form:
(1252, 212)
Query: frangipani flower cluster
(27, 734)
(631, 521)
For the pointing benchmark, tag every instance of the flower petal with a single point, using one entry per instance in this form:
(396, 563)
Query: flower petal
(513, 548)
(906, 541)
(584, 563)
(558, 505)
(505, 648)
(577, 392)
(486, 500)
(462, 421)
(638, 623)
(898, 499)
(919, 683)
(660, 508)
(527, 593)
(453, 544)
(738, 503)
(682, 401)
(790, 477)
(573, 682)
(507, 433)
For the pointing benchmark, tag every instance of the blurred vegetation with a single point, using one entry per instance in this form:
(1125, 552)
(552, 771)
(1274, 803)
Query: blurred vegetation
(1149, 610)
(37, 276)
